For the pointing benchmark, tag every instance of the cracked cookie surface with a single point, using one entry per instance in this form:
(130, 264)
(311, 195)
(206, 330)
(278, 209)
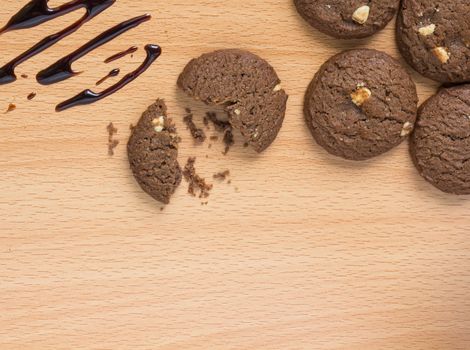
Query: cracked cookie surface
(153, 151)
(360, 104)
(347, 19)
(440, 144)
(434, 38)
(246, 85)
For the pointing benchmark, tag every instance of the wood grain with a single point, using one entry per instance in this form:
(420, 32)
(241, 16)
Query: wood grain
(300, 251)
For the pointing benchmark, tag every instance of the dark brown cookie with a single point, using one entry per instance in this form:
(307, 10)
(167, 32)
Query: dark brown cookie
(434, 37)
(153, 153)
(246, 85)
(440, 145)
(360, 104)
(348, 19)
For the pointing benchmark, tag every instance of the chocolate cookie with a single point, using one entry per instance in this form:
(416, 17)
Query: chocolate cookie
(153, 152)
(246, 85)
(360, 104)
(347, 19)
(434, 37)
(440, 145)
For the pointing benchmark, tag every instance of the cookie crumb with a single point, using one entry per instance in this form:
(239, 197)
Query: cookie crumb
(228, 140)
(31, 96)
(197, 133)
(246, 144)
(196, 183)
(24, 76)
(131, 127)
(112, 144)
(215, 138)
(11, 107)
(222, 176)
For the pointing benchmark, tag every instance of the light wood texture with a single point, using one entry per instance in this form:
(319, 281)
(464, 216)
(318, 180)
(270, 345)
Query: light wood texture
(301, 251)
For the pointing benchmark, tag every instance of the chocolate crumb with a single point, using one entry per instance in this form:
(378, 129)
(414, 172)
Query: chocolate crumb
(24, 76)
(197, 134)
(214, 138)
(112, 144)
(222, 176)
(219, 125)
(161, 209)
(205, 120)
(222, 126)
(11, 107)
(228, 140)
(131, 127)
(246, 144)
(31, 96)
(229, 182)
(196, 183)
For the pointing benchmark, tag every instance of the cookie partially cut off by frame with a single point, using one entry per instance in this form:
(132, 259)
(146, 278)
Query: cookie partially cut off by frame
(348, 19)
(153, 151)
(360, 104)
(246, 85)
(440, 144)
(434, 38)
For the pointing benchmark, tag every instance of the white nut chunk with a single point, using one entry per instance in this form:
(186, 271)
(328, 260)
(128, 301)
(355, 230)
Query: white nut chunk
(407, 129)
(277, 88)
(441, 53)
(427, 30)
(361, 95)
(361, 15)
(159, 123)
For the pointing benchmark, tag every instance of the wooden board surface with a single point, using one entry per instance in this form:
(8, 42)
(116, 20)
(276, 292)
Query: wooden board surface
(301, 251)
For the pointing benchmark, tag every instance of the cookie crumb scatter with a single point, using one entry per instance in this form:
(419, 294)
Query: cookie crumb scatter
(112, 144)
(31, 96)
(197, 184)
(197, 133)
(222, 176)
(11, 107)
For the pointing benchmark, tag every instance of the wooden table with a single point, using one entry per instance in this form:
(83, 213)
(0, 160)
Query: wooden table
(301, 251)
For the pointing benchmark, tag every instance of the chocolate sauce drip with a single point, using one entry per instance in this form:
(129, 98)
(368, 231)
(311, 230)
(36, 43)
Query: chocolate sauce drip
(37, 12)
(88, 96)
(119, 55)
(62, 69)
(93, 8)
(114, 73)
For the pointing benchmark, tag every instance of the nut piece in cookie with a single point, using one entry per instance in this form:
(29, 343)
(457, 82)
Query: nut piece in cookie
(361, 15)
(246, 85)
(427, 30)
(361, 95)
(440, 144)
(442, 54)
(153, 151)
(369, 121)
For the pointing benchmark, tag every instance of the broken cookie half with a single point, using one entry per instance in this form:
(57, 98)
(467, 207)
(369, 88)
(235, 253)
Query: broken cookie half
(153, 151)
(246, 85)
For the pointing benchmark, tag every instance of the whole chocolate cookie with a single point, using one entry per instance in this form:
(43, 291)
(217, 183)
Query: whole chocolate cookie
(440, 144)
(434, 37)
(246, 85)
(153, 152)
(360, 104)
(348, 19)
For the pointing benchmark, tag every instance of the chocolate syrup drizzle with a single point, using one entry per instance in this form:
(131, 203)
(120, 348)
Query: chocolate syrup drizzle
(62, 69)
(114, 73)
(37, 12)
(119, 55)
(88, 96)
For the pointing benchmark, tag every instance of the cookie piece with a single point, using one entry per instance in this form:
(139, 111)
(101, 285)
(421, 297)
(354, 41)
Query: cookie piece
(246, 85)
(348, 19)
(434, 38)
(153, 153)
(440, 145)
(360, 104)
